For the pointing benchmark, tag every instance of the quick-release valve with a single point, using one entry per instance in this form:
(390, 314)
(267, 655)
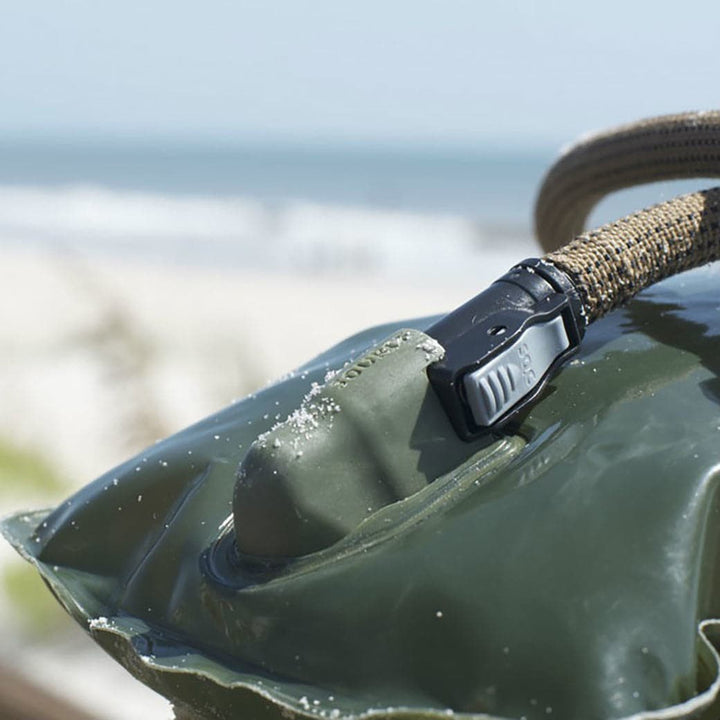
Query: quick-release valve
(502, 346)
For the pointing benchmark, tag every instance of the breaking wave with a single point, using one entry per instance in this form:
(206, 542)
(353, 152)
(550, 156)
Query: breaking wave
(296, 236)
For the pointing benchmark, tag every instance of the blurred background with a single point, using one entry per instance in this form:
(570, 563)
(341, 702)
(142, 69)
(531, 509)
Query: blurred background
(197, 197)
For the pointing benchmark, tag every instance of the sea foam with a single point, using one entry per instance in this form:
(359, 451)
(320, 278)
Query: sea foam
(241, 231)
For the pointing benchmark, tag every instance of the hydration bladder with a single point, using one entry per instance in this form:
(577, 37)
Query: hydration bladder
(510, 511)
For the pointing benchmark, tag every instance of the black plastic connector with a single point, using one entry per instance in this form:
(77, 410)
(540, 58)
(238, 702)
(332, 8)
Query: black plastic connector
(502, 346)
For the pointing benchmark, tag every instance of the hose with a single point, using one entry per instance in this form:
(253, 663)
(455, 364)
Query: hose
(612, 263)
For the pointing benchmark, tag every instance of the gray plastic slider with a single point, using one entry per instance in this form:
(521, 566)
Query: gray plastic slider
(502, 382)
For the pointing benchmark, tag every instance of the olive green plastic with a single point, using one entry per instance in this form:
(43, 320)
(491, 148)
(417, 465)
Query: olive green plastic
(567, 570)
(372, 434)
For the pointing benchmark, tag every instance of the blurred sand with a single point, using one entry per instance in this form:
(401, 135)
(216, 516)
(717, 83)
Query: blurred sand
(99, 358)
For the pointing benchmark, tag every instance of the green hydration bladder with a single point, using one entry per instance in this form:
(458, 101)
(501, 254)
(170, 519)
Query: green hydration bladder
(354, 542)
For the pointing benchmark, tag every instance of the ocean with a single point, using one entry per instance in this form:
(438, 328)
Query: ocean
(408, 213)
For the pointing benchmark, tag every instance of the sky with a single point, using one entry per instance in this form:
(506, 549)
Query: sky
(445, 72)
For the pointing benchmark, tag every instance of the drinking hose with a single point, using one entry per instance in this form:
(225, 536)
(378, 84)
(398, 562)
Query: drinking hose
(611, 264)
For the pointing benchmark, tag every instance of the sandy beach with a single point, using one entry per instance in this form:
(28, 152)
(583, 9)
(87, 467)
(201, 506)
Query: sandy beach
(102, 357)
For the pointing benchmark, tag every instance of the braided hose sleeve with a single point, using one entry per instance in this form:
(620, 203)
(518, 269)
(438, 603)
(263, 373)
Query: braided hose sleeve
(611, 264)
(664, 148)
